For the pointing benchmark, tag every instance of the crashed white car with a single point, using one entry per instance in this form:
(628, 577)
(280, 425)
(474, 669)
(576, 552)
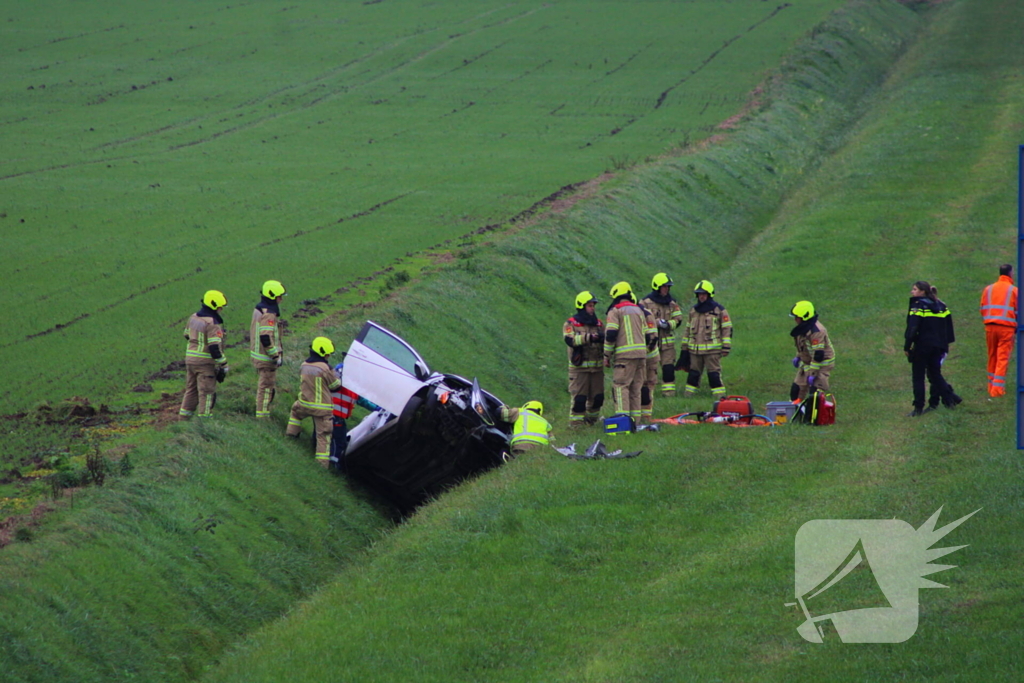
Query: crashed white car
(432, 429)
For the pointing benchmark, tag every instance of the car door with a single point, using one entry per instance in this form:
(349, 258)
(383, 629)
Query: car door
(382, 368)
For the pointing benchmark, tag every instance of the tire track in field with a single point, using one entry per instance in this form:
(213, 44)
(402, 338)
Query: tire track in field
(693, 72)
(312, 83)
(181, 278)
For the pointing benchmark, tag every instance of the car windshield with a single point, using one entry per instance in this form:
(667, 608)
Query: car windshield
(391, 348)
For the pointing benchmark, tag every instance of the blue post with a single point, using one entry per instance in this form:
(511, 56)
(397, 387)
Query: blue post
(1020, 300)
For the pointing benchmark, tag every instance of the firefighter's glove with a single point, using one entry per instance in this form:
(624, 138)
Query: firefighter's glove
(663, 324)
(279, 360)
(684, 360)
(725, 352)
(222, 373)
(810, 381)
(796, 361)
(607, 362)
(595, 337)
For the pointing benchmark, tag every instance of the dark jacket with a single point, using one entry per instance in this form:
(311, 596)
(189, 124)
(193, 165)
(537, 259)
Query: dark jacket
(929, 325)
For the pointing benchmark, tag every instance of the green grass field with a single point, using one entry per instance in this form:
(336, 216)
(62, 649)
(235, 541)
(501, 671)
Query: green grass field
(155, 152)
(675, 565)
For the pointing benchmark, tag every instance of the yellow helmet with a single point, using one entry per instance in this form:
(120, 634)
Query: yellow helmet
(535, 406)
(273, 289)
(584, 298)
(322, 346)
(620, 289)
(803, 310)
(704, 286)
(214, 300)
(660, 280)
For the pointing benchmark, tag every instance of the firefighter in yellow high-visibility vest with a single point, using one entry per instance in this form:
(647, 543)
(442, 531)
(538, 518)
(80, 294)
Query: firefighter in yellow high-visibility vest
(667, 317)
(707, 340)
(205, 362)
(317, 381)
(265, 344)
(529, 428)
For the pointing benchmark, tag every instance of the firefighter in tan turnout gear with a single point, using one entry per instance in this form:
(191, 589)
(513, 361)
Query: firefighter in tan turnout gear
(205, 363)
(625, 349)
(707, 340)
(584, 335)
(667, 317)
(815, 356)
(650, 367)
(265, 344)
(317, 381)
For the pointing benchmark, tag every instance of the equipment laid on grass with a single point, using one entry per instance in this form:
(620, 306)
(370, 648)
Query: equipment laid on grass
(713, 418)
(733, 406)
(595, 451)
(780, 412)
(619, 424)
(818, 408)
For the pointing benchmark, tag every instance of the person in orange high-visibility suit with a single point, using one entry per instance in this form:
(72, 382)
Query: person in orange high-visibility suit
(999, 311)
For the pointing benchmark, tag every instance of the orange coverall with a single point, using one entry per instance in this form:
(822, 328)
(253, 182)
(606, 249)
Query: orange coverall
(999, 311)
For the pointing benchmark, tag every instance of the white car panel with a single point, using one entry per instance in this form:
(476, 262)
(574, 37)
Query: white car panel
(382, 368)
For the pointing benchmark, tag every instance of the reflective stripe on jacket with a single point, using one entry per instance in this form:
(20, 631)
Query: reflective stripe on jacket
(577, 338)
(530, 427)
(202, 332)
(999, 303)
(264, 322)
(317, 383)
(809, 344)
(708, 332)
(626, 331)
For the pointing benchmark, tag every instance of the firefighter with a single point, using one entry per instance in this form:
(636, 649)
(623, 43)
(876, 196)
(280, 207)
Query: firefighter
(626, 341)
(529, 428)
(667, 317)
(265, 344)
(706, 341)
(927, 338)
(999, 311)
(584, 335)
(815, 356)
(317, 381)
(651, 364)
(205, 363)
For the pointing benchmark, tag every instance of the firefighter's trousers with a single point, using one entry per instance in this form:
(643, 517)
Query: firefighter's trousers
(586, 387)
(323, 425)
(266, 385)
(821, 380)
(200, 389)
(712, 364)
(628, 376)
(647, 390)
(1000, 340)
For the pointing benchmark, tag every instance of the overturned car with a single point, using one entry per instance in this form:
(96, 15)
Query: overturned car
(432, 429)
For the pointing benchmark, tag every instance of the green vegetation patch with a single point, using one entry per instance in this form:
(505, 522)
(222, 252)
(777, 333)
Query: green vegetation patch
(677, 565)
(154, 151)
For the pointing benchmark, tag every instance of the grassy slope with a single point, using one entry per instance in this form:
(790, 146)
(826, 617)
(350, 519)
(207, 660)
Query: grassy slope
(221, 527)
(676, 565)
(187, 146)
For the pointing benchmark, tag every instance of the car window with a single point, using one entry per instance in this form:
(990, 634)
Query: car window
(391, 348)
